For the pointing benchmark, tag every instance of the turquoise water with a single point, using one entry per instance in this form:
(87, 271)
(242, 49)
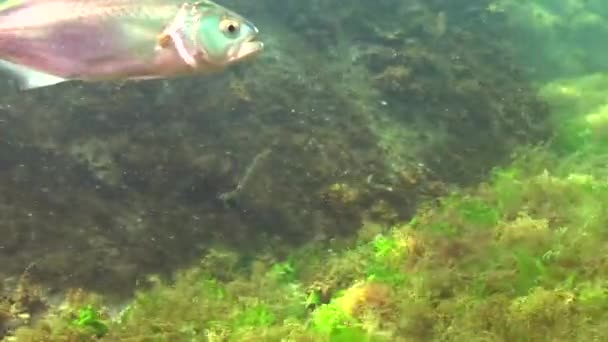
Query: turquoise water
(383, 171)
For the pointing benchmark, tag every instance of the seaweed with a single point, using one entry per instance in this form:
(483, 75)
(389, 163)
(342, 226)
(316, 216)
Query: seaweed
(525, 253)
(88, 318)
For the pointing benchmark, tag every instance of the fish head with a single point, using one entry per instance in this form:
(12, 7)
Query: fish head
(226, 38)
(218, 37)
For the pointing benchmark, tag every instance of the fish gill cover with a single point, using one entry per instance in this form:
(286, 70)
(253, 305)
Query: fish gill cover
(384, 171)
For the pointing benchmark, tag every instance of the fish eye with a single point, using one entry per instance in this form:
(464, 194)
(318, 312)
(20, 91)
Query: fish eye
(229, 26)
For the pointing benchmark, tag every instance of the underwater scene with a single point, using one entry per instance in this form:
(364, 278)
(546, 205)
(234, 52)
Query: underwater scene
(289, 170)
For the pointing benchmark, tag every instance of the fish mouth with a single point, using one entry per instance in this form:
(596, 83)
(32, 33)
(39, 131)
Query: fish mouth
(249, 48)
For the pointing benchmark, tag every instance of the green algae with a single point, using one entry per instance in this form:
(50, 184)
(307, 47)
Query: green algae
(580, 112)
(89, 319)
(518, 257)
(525, 252)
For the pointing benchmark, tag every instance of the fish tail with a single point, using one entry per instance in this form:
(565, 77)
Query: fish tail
(28, 78)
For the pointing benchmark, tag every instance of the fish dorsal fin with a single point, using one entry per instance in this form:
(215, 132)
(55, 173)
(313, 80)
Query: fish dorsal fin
(28, 78)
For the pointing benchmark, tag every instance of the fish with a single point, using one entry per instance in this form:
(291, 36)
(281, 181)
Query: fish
(47, 42)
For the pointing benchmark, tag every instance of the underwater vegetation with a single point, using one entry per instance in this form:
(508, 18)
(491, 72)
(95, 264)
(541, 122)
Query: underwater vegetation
(520, 257)
(580, 113)
(557, 38)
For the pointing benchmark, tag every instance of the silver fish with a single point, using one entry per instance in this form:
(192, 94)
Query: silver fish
(45, 42)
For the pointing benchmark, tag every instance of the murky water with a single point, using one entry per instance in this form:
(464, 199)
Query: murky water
(389, 170)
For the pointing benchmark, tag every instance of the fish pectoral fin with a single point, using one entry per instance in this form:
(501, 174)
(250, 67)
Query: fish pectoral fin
(29, 78)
